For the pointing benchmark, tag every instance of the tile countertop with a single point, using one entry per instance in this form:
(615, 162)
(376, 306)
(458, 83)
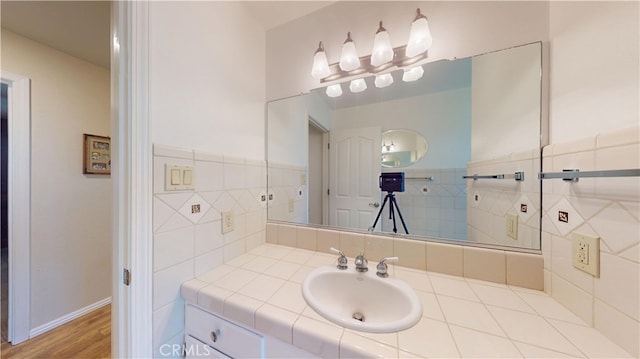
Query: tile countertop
(461, 317)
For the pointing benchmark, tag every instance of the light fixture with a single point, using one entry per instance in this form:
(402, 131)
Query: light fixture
(320, 68)
(383, 80)
(382, 51)
(334, 90)
(357, 85)
(387, 148)
(412, 74)
(349, 60)
(382, 60)
(420, 39)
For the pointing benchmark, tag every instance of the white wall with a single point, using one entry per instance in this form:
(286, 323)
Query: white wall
(70, 212)
(594, 68)
(207, 109)
(207, 77)
(460, 29)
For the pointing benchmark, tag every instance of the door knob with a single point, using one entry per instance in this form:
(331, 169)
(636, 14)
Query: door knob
(374, 204)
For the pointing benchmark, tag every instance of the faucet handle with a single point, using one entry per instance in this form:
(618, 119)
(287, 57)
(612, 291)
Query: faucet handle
(382, 266)
(342, 260)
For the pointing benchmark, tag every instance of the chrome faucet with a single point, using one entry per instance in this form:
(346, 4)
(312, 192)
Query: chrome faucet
(342, 260)
(361, 263)
(382, 266)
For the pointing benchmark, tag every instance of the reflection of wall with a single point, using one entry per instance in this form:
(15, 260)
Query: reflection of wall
(435, 209)
(186, 245)
(443, 118)
(288, 188)
(505, 102)
(489, 200)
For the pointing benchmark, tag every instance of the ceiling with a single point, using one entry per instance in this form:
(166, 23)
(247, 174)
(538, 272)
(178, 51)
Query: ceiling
(81, 28)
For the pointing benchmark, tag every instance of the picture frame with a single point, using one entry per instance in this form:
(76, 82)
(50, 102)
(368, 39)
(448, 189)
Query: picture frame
(96, 155)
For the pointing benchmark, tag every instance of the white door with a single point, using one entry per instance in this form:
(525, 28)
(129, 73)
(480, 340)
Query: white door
(354, 170)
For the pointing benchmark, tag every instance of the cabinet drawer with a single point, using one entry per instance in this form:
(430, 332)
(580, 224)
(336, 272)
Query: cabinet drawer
(227, 337)
(195, 349)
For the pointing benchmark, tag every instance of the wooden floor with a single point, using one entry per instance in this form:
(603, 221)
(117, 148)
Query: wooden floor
(88, 337)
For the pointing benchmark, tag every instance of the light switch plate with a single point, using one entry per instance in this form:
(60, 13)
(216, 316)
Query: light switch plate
(178, 178)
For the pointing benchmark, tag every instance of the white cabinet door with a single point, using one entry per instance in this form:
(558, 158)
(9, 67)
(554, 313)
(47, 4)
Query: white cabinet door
(354, 169)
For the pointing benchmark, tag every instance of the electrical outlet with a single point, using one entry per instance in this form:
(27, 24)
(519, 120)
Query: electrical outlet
(290, 205)
(512, 225)
(586, 253)
(228, 221)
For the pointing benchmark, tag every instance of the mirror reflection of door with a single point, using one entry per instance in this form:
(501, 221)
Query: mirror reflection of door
(317, 157)
(353, 171)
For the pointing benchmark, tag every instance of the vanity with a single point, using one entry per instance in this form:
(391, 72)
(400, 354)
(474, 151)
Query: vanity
(253, 307)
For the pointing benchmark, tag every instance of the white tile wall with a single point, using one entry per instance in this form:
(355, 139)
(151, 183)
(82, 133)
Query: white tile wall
(605, 207)
(187, 245)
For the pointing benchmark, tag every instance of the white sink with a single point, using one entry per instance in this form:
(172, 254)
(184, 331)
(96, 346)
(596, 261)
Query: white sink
(384, 304)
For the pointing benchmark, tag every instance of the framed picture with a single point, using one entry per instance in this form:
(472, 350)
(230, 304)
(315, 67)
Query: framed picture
(97, 155)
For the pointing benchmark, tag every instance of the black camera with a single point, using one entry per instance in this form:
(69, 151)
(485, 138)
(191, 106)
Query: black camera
(392, 182)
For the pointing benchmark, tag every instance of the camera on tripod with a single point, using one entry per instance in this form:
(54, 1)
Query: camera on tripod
(392, 182)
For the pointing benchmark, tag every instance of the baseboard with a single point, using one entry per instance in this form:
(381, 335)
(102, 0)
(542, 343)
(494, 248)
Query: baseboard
(67, 318)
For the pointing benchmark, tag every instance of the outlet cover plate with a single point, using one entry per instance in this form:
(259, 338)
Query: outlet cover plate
(585, 253)
(228, 222)
(512, 225)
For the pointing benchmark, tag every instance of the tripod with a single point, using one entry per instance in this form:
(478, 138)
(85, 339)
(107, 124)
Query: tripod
(392, 215)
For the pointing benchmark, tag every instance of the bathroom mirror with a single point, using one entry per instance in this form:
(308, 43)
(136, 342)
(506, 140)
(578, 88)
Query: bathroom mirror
(402, 148)
(479, 115)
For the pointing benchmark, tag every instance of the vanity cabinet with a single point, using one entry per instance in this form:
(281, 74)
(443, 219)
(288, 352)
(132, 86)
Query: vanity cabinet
(222, 335)
(208, 335)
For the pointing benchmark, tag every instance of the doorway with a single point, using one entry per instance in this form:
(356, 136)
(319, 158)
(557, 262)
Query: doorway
(316, 183)
(64, 266)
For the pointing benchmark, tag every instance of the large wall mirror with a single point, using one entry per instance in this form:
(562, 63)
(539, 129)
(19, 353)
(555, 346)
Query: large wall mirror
(466, 137)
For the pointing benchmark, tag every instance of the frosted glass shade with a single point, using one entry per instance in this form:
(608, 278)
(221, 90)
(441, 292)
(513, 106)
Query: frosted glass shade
(412, 74)
(357, 85)
(420, 39)
(320, 68)
(383, 80)
(382, 51)
(334, 90)
(349, 60)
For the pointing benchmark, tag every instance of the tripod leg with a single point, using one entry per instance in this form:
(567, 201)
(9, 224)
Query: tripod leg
(392, 215)
(379, 213)
(393, 202)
